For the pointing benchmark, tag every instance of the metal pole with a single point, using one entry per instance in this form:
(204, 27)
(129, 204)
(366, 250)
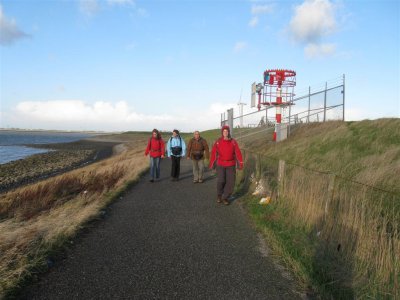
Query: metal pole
(309, 103)
(230, 120)
(326, 87)
(343, 95)
(290, 111)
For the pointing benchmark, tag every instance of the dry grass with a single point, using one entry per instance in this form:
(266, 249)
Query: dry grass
(359, 226)
(38, 218)
(366, 151)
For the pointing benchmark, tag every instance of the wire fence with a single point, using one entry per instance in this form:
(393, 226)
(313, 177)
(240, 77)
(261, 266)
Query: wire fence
(320, 103)
(357, 224)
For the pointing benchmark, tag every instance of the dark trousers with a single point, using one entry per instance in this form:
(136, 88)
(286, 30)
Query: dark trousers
(176, 166)
(225, 181)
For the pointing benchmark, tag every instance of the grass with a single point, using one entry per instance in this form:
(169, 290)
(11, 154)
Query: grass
(343, 244)
(366, 151)
(339, 236)
(39, 219)
(316, 267)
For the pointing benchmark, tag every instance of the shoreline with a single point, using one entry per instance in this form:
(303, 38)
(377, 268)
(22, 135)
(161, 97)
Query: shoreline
(65, 157)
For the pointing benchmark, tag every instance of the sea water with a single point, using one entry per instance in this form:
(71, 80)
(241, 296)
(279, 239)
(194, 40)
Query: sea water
(12, 143)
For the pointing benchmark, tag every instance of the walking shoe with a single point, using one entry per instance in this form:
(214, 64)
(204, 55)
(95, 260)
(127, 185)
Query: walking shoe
(195, 181)
(151, 180)
(200, 180)
(219, 199)
(225, 201)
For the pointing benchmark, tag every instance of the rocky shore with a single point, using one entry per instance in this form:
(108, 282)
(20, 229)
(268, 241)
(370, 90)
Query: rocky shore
(61, 158)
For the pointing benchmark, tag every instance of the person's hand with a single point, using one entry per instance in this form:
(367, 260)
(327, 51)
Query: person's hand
(188, 158)
(162, 156)
(241, 166)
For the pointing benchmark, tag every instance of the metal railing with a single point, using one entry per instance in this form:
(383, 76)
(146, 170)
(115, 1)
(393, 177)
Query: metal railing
(316, 104)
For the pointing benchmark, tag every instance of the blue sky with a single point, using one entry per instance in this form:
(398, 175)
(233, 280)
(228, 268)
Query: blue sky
(133, 65)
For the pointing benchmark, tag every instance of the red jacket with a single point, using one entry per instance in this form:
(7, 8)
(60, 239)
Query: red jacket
(226, 153)
(155, 147)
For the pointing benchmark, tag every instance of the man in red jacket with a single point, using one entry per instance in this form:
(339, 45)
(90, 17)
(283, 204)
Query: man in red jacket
(226, 154)
(156, 148)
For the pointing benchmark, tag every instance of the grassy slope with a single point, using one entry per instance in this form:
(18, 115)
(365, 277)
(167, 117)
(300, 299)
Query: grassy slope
(366, 151)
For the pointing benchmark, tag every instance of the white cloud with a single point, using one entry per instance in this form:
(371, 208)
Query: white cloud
(253, 22)
(313, 19)
(319, 50)
(92, 7)
(89, 7)
(261, 9)
(239, 46)
(257, 10)
(108, 116)
(121, 2)
(9, 31)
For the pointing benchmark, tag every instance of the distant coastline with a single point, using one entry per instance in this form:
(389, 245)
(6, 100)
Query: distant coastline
(64, 157)
(59, 131)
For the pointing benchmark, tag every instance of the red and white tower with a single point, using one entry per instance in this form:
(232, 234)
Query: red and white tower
(278, 91)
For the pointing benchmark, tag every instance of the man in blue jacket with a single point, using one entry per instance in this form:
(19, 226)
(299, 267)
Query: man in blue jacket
(176, 148)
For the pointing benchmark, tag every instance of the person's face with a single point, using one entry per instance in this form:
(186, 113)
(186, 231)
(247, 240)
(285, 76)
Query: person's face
(155, 134)
(196, 135)
(174, 134)
(225, 133)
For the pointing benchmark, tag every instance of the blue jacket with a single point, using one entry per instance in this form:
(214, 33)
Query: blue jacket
(176, 142)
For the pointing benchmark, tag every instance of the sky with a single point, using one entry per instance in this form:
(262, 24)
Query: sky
(116, 65)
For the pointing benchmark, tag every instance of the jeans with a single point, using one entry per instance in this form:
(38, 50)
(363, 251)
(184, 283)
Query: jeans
(155, 167)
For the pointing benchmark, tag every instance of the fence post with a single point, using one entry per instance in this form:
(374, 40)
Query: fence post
(290, 113)
(326, 87)
(331, 189)
(309, 104)
(281, 177)
(258, 166)
(343, 95)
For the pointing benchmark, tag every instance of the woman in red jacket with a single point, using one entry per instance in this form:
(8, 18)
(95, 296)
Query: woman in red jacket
(226, 153)
(156, 148)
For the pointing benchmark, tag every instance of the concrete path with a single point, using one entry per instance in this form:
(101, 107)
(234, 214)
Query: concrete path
(167, 240)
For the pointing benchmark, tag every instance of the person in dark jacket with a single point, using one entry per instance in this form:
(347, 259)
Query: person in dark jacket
(176, 149)
(197, 151)
(225, 154)
(156, 148)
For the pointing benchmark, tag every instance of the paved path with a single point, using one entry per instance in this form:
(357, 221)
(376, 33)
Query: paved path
(167, 240)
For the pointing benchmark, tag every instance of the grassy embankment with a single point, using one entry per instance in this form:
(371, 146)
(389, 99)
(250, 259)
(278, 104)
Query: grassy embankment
(38, 220)
(338, 237)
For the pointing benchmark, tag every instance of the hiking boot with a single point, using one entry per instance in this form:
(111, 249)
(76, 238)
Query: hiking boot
(219, 199)
(225, 201)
